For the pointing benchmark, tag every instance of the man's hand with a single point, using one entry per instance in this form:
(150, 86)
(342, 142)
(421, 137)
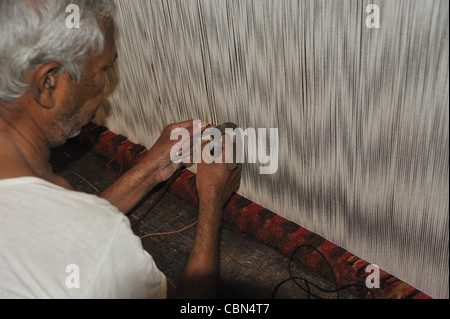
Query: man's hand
(159, 157)
(154, 168)
(215, 183)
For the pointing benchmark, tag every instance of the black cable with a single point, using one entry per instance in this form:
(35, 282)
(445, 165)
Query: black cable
(160, 195)
(308, 283)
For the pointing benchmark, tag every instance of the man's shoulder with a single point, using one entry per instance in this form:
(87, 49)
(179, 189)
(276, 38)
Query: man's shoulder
(30, 188)
(46, 227)
(42, 201)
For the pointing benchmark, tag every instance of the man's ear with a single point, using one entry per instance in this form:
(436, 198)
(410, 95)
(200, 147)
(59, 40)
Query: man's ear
(45, 83)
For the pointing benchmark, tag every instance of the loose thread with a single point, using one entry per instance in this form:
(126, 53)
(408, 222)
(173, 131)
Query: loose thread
(120, 170)
(160, 195)
(171, 232)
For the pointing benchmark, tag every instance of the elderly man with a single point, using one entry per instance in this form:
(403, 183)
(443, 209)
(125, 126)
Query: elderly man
(52, 81)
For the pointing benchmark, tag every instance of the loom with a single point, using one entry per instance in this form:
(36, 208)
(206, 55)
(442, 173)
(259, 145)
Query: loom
(362, 116)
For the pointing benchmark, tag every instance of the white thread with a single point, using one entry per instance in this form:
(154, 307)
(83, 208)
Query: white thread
(362, 113)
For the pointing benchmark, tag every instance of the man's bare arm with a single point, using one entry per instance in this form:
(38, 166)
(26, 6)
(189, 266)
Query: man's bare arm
(215, 185)
(126, 192)
(154, 168)
(200, 275)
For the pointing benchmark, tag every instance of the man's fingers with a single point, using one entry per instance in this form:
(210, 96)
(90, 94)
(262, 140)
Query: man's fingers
(197, 141)
(184, 124)
(189, 125)
(206, 152)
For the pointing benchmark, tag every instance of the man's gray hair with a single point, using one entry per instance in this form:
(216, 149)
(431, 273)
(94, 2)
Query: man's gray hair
(34, 32)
